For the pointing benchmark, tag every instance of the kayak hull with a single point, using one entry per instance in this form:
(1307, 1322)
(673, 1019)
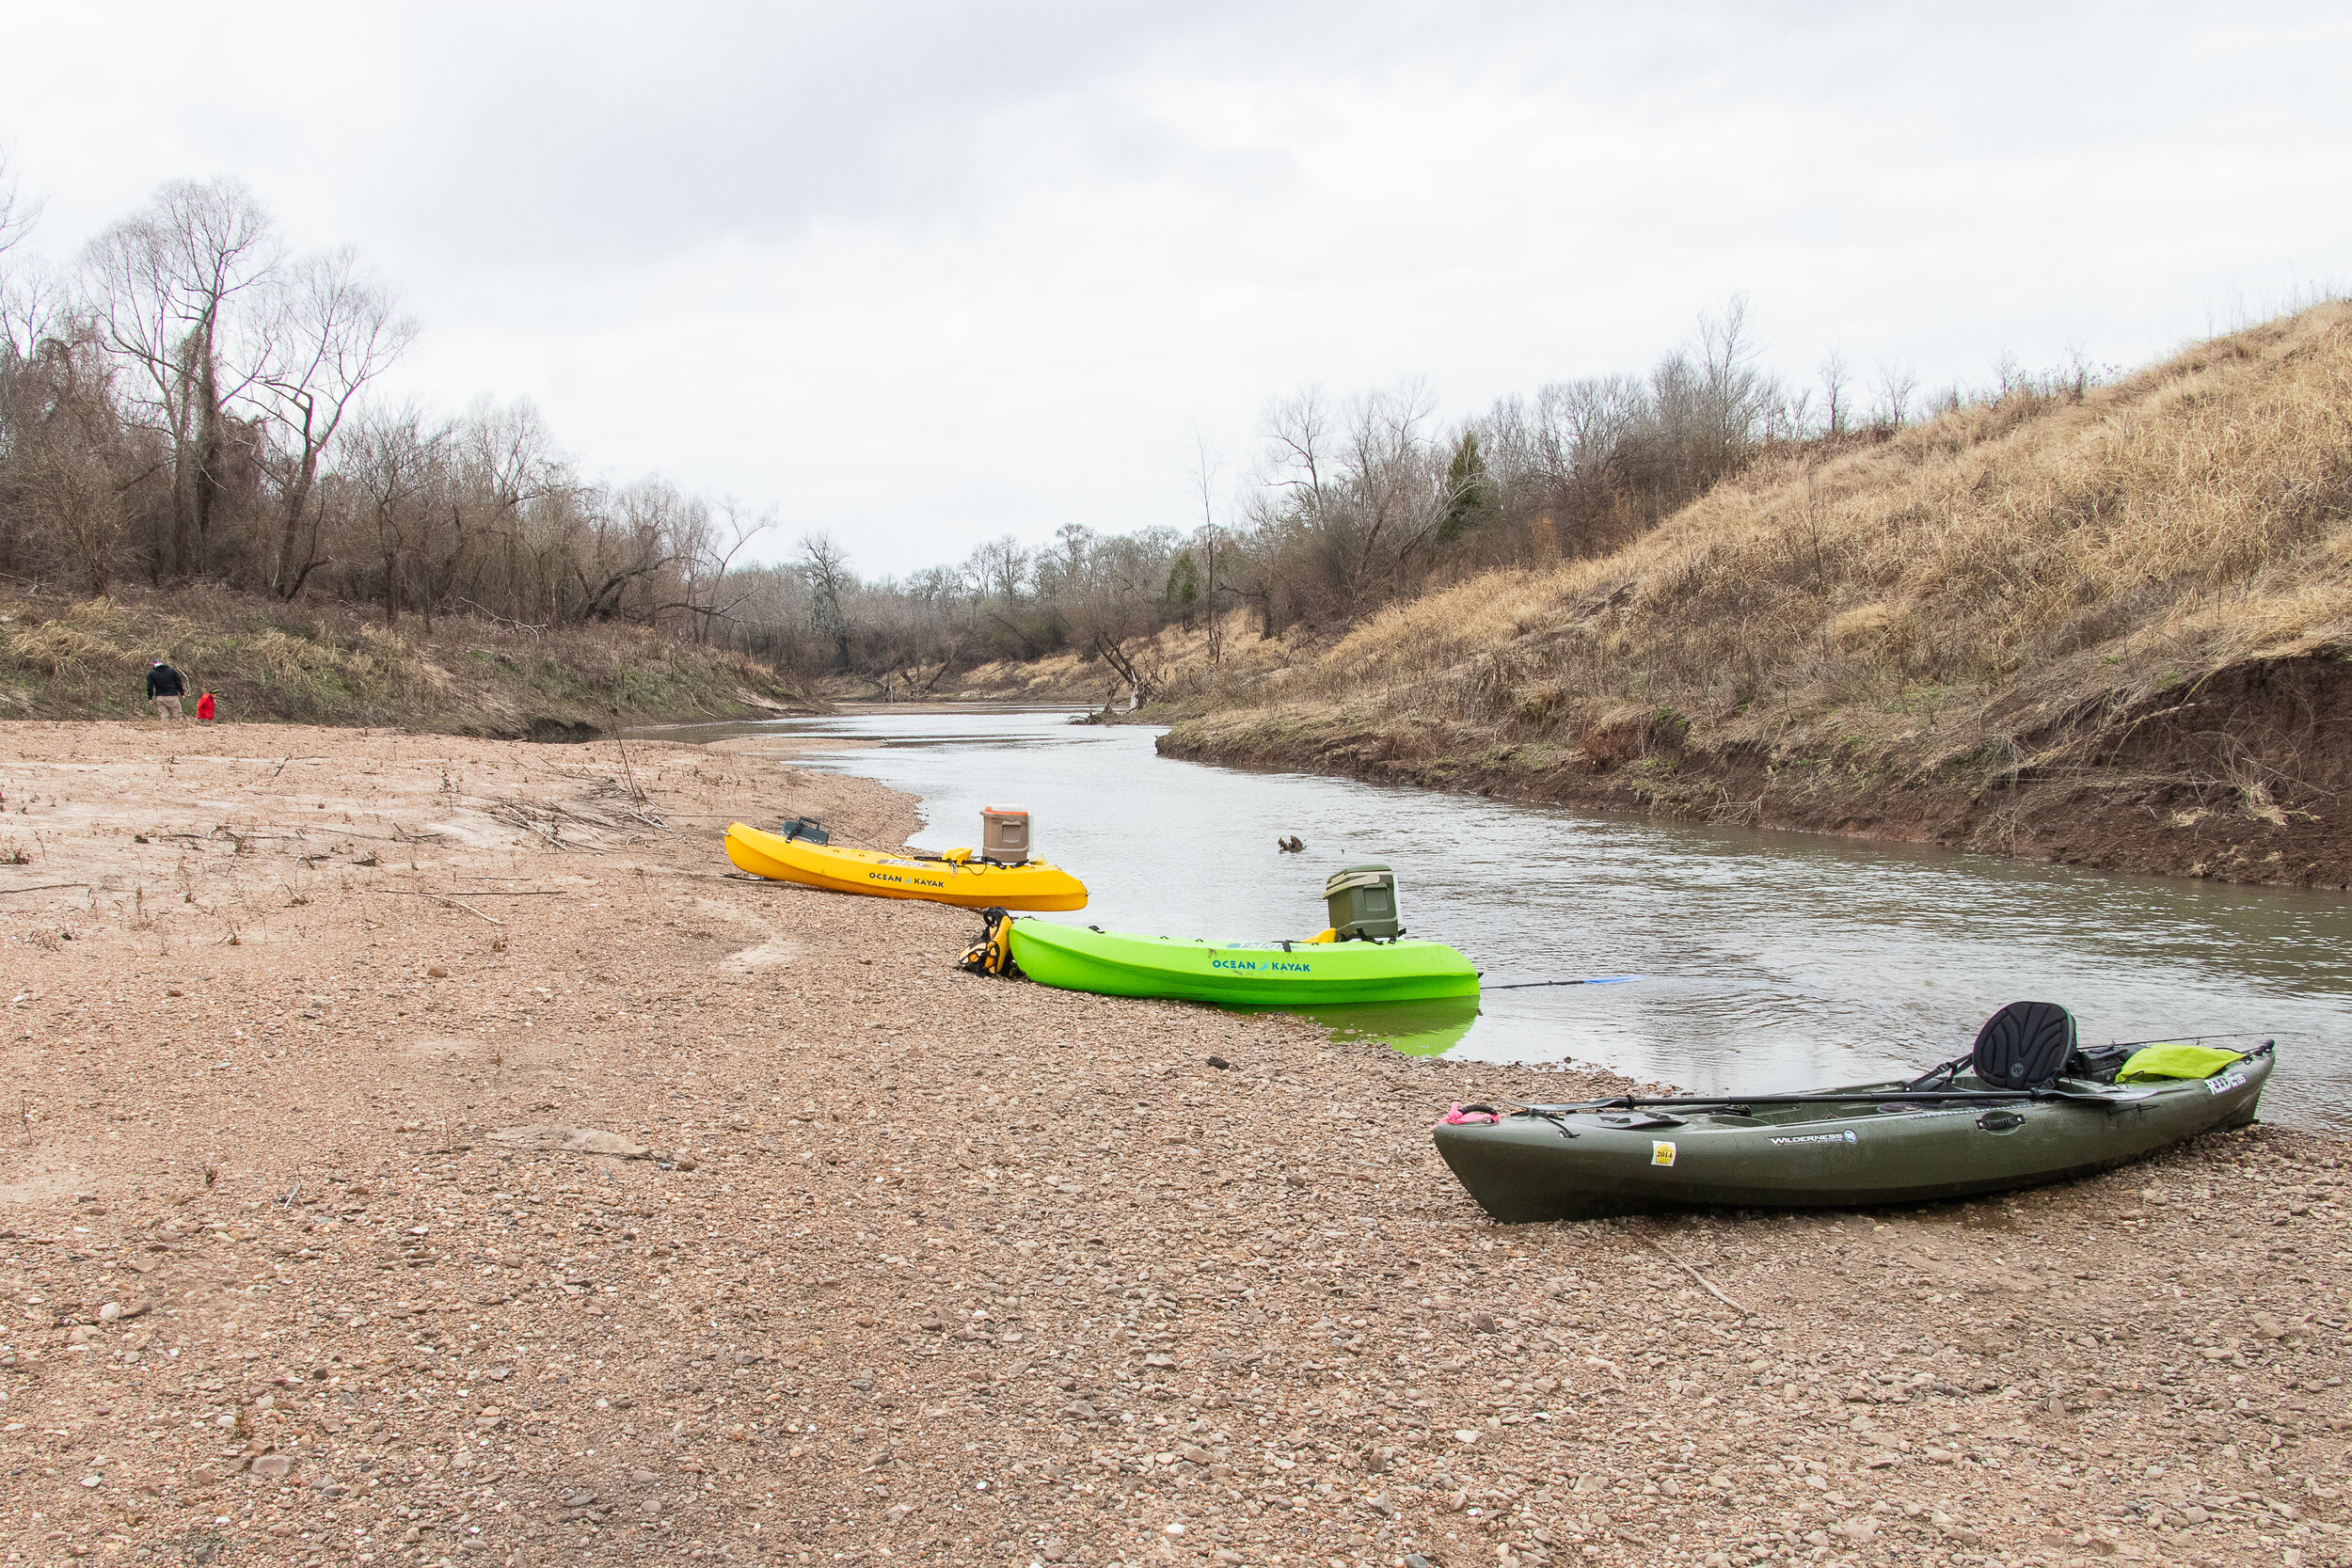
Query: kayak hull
(1036, 885)
(1239, 975)
(1840, 1156)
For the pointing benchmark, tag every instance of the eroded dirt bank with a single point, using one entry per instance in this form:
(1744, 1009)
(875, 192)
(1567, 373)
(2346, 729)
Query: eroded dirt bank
(934, 1269)
(2240, 776)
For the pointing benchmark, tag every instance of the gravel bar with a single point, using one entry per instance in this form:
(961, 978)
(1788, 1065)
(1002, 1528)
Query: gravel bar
(421, 1150)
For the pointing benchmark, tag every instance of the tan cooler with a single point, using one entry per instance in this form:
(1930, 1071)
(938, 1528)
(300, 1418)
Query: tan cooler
(1004, 834)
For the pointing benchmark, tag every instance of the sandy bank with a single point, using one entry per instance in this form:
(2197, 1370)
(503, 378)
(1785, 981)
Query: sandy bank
(936, 1269)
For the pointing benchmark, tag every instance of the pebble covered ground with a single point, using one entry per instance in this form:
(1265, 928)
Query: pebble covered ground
(309, 1254)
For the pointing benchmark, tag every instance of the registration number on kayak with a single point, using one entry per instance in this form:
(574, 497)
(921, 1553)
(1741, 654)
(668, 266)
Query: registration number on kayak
(2228, 1080)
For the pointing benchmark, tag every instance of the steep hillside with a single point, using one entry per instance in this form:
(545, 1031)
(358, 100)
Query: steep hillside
(2114, 630)
(309, 664)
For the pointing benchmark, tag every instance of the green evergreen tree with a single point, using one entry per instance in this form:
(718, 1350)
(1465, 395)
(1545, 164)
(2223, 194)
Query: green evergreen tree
(1183, 586)
(1469, 491)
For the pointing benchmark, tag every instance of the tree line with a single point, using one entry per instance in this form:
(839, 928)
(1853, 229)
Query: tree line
(192, 401)
(1345, 504)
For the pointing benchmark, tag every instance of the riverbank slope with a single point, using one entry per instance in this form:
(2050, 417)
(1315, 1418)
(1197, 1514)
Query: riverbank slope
(2114, 631)
(425, 1148)
(325, 664)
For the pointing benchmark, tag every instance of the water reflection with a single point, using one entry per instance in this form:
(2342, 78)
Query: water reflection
(1429, 1028)
(1768, 959)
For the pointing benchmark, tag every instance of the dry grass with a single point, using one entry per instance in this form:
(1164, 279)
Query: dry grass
(327, 665)
(2197, 513)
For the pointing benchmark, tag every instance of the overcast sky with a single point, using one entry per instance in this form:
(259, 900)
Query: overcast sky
(923, 275)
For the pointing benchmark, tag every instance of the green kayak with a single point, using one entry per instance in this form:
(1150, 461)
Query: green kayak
(1969, 1133)
(1239, 973)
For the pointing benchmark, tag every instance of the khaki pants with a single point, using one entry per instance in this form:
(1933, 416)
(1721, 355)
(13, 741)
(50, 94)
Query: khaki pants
(168, 707)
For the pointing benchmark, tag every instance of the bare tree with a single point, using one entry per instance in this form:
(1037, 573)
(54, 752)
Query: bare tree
(394, 465)
(1710, 410)
(35, 302)
(1210, 547)
(166, 281)
(59, 455)
(335, 331)
(1001, 569)
(1793, 420)
(501, 463)
(826, 564)
(28, 295)
(1898, 383)
(1113, 603)
(1396, 493)
(706, 555)
(2078, 376)
(1835, 380)
(1003, 566)
(1298, 431)
(633, 537)
(17, 215)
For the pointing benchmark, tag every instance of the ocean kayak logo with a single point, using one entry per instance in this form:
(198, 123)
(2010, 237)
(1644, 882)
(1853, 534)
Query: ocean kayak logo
(1253, 966)
(1820, 1138)
(897, 880)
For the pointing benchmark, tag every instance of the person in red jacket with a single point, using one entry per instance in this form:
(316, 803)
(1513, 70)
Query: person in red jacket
(204, 708)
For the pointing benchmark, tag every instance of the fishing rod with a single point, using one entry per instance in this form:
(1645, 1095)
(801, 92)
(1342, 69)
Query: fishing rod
(2186, 1039)
(1861, 1097)
(1534, 985)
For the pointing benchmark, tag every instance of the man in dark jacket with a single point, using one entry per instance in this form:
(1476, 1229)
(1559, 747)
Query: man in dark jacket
(165, 688)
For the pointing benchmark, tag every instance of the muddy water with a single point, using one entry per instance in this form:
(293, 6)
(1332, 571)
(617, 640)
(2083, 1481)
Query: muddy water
(1765, 960)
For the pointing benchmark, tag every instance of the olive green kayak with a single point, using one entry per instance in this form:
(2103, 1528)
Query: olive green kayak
(1869, 1144)
(1238, 973)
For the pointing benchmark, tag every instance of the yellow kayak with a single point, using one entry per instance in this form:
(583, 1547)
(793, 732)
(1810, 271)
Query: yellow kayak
(971, 884)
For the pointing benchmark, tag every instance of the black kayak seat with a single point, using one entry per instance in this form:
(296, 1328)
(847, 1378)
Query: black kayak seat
(2024, 1045)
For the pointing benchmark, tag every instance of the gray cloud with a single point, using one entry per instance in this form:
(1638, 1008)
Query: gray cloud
(928, 273)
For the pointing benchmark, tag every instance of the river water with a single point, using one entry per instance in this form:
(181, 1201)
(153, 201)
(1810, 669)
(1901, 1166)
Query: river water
(1764, 960)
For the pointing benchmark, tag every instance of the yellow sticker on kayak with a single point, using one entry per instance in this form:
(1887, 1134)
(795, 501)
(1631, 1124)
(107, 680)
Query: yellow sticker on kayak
(1661, 1154)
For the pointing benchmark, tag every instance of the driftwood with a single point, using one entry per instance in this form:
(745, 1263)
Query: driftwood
(1705, 1283)
(419, 892)
(520, 813)
(478, 893)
